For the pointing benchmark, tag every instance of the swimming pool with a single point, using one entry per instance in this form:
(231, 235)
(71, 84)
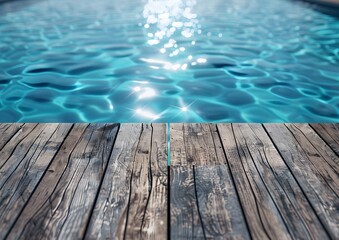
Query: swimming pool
(168, 61)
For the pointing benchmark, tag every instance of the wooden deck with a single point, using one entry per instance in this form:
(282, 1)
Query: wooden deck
(226, 181)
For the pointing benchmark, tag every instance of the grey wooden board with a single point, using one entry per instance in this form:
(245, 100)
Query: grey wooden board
(21, 174)
(262, 215)
(204, 204)
(113, 196)
(8, 131)
(320, 155)
(227, 181)
(282, 187)
(317, 184)
(194, 144)
(178, 149)
(61, 205)
(13, 139)
(185, 220)
(132, 202)
(329, 133)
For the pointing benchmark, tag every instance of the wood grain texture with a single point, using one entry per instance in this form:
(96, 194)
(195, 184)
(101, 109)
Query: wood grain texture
(213, 207)
(4, 127)
(204, 202)
(218, 204)
(320, 155)
(185, 220)
(194, 144)
(15, 138)
(154, 223)
(262, 215)
(8, 131)
(61, 205)
(227, 181)
(20, 176)
(308, 169)
(15, 152)
(297, 214)
(113, 200)
(140, 186)
(329, 133)
(133, 199)
(178, 149)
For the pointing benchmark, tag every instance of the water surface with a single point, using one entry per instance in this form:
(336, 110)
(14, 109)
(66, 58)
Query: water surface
(168, 61)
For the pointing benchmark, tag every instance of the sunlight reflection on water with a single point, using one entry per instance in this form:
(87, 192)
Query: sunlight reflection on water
(166, 23)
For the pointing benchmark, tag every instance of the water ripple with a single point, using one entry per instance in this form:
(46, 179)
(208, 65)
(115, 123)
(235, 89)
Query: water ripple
(159, 60)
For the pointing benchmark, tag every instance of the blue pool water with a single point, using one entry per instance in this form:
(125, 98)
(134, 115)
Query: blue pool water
(168, 61)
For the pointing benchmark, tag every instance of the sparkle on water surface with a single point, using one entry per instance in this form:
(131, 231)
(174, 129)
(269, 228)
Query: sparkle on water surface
(168, 61)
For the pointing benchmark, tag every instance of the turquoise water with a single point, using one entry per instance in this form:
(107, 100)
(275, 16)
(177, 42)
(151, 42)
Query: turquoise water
(168, 61)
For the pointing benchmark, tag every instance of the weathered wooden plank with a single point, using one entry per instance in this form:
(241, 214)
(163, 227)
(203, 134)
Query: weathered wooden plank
(204, 202)
(200, 145)
(322, 197)
(21, 181)
(141, 190)
(61, 205)
(15, 154)
(12, 138)
(193, 144)
(218, 203)
(4, 126)
(154, 219)
(178, 146)
(263, 218)
(290, 193)
(319, 144)
(140, 185)
(133, 199)
(185, 220)
(7, 128)
(111, 206)
(232, 211)
(329, 133)
(320, 155)
(7, 131)
(293, 206)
